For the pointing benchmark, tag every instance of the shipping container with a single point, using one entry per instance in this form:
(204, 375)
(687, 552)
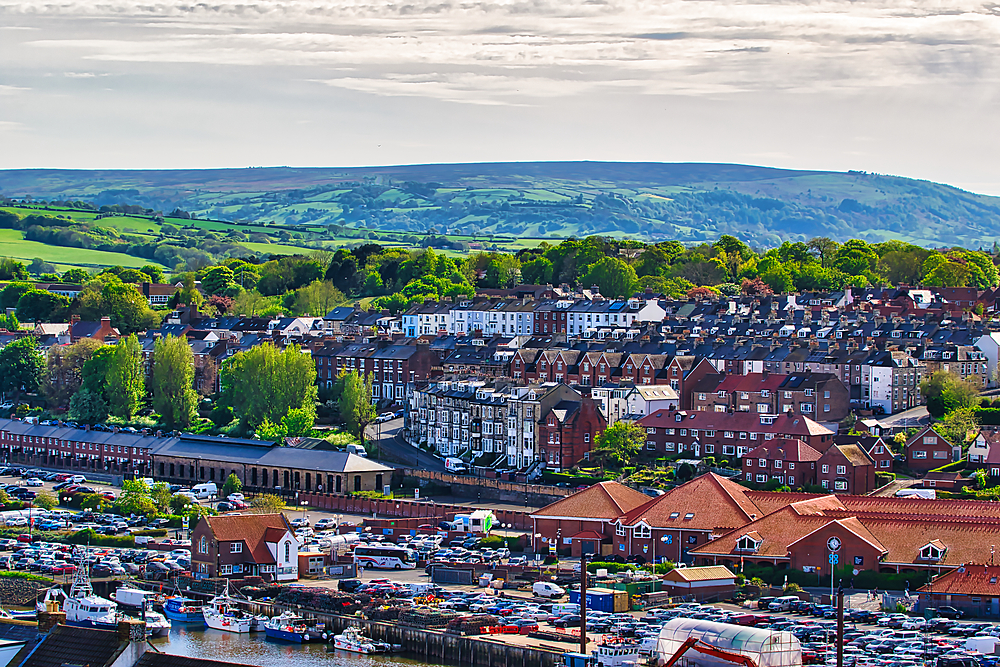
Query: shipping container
(603, 599)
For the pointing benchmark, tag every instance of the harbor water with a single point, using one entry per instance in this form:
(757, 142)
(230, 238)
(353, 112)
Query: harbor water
(255, 649)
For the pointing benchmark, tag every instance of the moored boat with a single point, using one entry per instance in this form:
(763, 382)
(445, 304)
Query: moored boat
(183, 610)
(223, 612)
(293, 628)
(352, 640)
(157, 624)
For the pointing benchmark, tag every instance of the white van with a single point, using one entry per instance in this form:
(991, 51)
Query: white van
(784, 603)
(356, 449)
(203, 491)
(566, 608)
(453, 465)
(547, 589)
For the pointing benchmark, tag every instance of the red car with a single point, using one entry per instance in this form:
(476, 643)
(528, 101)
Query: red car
(24, 537)
(64, 569)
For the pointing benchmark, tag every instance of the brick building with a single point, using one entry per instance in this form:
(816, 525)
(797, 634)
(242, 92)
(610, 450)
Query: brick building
(846, 469)
(790, 462)
(250, 545)
(589, 514)
(928, 449)
(567, 430)
(726, 434)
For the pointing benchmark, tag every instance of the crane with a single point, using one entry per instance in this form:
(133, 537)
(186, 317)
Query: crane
(693, 643)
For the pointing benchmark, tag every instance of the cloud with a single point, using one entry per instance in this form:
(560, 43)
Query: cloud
(11, 90)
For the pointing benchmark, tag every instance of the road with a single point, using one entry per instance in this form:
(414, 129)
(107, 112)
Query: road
(389, 436)
(913, 417)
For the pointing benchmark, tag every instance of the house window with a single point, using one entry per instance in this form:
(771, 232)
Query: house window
(841, 470)
(840, 485)
(288, 551)
(641, 532)
(749, 476)
(940, 454)
(761, 478)
(225, 569)
(235, 547)
(791, 480)
(777, 463)
(919, 454)
(620, 530)
(885, 463)
(762, 463)
(930, 440)
(825, 483)
(203, 545)
(826, 468)
(586, 437)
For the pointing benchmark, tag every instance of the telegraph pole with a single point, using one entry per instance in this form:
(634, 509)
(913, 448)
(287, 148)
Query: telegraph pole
(583, 602)
(840, 624)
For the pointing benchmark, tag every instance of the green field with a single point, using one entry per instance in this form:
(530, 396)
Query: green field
(12, 245)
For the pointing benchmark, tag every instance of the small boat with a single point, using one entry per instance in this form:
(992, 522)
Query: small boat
(83, 608)
(130, 598)
(157, 624)
(183, 610)
(289, 627)
(352, 640)
(223, 613)
(615, 651)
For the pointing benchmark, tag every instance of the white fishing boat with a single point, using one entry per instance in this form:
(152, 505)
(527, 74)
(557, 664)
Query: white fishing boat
(352, 640)
(223, 613)
(84, 608)
(157, 625)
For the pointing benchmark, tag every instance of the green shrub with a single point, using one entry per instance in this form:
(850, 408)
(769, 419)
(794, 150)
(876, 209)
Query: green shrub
(883, 478)
(549, 477)
(90, 537)
(24, 575)
(492, 542)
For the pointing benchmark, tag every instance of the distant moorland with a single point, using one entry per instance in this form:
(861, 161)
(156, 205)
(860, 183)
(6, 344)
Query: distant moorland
(648, 201)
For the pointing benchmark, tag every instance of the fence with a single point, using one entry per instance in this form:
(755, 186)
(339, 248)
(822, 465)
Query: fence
(405, 508)
(493, 489)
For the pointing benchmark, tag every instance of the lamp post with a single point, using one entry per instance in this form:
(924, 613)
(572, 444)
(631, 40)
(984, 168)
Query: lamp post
(538, 536)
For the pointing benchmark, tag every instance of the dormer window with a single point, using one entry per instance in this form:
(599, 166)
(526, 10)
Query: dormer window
(933, 551)
(620, 530)
(748, 542)
(641, 532)
(674, 515)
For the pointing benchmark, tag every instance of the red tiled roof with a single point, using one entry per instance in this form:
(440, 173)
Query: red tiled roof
(786, 424)
(970, 579)
(785, 450)
(254, 530)
(587, 535)
(714, 502)
(606, 500)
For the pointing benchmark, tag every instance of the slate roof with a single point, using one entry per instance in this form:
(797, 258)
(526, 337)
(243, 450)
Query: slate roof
(66, 644)
(158, 659)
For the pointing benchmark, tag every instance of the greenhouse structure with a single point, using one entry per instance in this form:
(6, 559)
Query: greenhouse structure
(766, 648)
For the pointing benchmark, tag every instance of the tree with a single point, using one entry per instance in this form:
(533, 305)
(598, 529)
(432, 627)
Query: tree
(21, 367)
(64, 369)
(88, 407)
(76, 276)
(132, 276)
(825, 248)
(945, 391)
(299, 421)
(231, 485)
(135, 498)
(154, 273)
(613, 276)
(267, 503)
(160, 495)
(126, 379)
(42, 306)
(958, 425)
(179, 502)
(189, 294)
(12, 293)
(317, 299)
(11, 269)
(45, 500)
(623, 440)
(8, 322)
(107, 295)
(356, 407)
(537, 271)
(218, 280)
(265, 383)
(174, 396)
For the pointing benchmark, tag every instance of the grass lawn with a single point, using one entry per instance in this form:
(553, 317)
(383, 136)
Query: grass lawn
(13, 245)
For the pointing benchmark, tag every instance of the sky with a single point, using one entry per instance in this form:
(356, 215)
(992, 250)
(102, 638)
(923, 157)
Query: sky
(889, 86)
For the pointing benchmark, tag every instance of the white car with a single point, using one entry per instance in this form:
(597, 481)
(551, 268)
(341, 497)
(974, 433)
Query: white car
(238, 497)
(34, 481)
(16, 521)
(913, 624)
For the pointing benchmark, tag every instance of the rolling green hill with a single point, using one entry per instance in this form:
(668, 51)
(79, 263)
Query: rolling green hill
(649, 201)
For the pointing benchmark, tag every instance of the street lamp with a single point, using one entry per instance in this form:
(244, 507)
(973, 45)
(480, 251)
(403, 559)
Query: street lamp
(538, 536)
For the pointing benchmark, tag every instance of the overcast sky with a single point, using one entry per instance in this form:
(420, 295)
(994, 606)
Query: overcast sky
(893, 86)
